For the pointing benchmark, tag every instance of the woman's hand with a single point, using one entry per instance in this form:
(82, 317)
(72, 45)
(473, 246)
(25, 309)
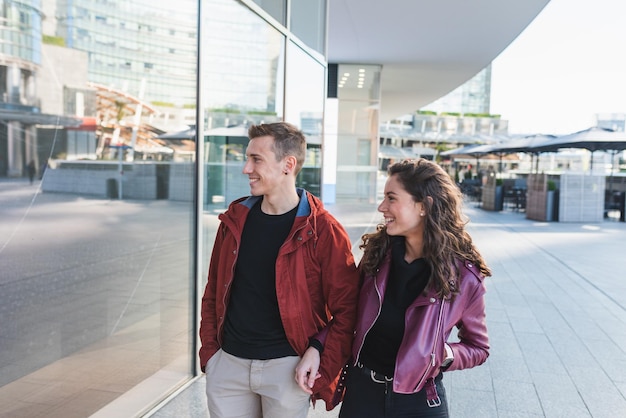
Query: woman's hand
(307, 370)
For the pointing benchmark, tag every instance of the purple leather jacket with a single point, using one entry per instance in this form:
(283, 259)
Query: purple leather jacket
(428, 324)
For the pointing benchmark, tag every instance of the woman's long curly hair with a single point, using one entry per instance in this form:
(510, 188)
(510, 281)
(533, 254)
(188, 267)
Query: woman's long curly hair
(445, 237)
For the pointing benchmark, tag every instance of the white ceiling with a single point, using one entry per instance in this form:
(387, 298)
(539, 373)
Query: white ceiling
(427, 47)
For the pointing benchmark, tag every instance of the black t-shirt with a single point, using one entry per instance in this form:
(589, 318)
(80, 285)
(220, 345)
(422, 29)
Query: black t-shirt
(406, 282)
(253, 328)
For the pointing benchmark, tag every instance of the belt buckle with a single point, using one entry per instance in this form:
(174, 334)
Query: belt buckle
(385, 378)
(433, 403)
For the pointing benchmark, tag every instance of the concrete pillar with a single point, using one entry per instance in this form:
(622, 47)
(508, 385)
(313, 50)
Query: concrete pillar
(30, 139)
(329, 151)
(15, 150)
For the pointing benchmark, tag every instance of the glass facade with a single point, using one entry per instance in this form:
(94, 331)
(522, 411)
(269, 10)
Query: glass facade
(20, 54)
(104, 252)
(144, 47)
(20, 30)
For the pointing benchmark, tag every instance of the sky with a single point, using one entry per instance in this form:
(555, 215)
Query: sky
(568, 65)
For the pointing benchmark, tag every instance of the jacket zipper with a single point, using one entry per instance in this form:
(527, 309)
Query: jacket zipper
(230, 282)
(232, 267)
(432, 354)
(380, 307)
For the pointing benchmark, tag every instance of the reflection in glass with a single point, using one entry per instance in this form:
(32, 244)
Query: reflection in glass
(242, 84)
(130, 42)
(96, 289)
(243, 66)
(304, 107)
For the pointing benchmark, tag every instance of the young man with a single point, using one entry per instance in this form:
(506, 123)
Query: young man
(278, 312)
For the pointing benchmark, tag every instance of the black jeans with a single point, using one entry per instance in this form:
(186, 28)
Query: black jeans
(365, 398)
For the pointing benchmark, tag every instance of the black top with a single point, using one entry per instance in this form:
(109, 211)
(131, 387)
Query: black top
(406, 282)
(253, 328)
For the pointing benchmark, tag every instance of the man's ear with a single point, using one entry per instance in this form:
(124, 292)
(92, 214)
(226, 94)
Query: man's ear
(290, 164)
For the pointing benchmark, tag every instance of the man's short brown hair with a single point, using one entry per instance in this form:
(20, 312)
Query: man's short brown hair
(288, 140)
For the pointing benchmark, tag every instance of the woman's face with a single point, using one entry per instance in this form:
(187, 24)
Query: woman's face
(403, 216)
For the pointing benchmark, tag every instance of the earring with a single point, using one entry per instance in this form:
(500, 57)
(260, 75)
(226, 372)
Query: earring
(422, 214)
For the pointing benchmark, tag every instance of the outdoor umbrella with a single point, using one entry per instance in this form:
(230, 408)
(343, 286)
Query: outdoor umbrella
(189, 133)
(524, 144)
(475, 150)
(397, 153)
(592, 139)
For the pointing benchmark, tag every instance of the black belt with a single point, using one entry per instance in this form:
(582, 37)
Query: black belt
(375, 376)
(432, 398)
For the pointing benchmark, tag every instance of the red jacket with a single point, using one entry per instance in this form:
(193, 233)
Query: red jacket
(316, 281)
(428, 326)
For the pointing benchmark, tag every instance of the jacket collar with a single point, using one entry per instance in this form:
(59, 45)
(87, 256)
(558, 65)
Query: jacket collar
(304, 207)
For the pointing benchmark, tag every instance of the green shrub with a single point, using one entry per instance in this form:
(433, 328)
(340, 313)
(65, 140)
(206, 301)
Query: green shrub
(53, 40)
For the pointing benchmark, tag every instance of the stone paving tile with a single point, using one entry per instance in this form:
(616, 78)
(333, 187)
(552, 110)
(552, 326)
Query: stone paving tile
(515, 397)
(601, 396)
(559, 396)
(472, 403)
(540, 355)
(476, 379)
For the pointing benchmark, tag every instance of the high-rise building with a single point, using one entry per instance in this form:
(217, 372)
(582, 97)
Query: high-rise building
(473, 97)
(145, 48)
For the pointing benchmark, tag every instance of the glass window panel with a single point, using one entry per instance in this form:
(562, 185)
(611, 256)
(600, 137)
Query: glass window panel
(275, 8)
(96, 252)
(243, 63)
(243, 66)
(304, 107)
(308, 22)
(243, 77)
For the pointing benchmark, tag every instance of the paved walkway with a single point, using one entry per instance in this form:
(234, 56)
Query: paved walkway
(556, 307)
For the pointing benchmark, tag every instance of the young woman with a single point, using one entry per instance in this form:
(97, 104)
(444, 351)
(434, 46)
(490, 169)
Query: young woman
(422, 276)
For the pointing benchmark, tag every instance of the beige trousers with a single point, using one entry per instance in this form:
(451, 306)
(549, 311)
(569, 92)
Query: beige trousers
(242, 388)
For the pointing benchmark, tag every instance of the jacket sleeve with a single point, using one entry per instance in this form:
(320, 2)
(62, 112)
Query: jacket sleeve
(340, 284)
(473, 346)
(208, 321)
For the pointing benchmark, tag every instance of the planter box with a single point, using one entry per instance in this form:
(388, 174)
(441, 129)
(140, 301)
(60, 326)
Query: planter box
(492, 195)
(537, 198)
(581, 198)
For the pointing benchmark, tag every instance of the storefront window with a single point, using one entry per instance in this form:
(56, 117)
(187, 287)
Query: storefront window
(96, 210)
(242, 75)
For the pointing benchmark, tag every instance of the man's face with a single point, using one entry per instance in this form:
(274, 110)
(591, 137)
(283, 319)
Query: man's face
(262, 168)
